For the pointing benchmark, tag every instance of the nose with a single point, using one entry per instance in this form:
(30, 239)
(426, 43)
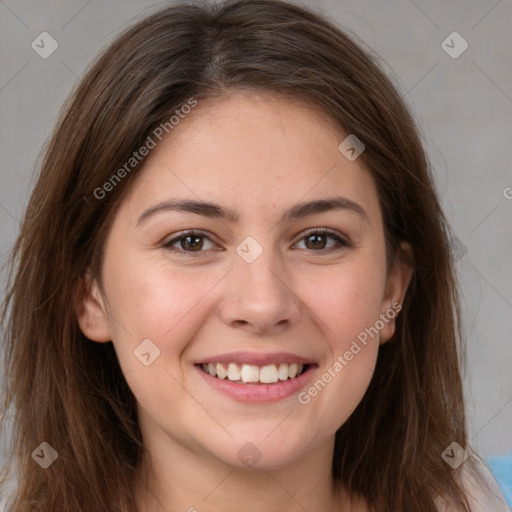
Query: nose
(259, 297)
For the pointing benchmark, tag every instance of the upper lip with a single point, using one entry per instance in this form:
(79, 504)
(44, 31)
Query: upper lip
(256, 358)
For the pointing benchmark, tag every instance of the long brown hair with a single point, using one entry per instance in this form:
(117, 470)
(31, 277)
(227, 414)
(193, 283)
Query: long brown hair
(71, 393)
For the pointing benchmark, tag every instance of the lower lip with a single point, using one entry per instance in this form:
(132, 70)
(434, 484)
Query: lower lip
(259, 392)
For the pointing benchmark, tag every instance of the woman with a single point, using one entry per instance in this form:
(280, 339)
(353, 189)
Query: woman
(233, 283)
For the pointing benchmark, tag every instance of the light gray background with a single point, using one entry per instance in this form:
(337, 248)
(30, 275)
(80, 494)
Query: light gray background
(463, 106)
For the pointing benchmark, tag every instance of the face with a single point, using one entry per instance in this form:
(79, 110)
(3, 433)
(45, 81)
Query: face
(283, 271)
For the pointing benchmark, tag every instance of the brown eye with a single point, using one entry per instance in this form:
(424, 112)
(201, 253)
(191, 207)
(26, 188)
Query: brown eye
(322, 240)
(316, 241)
(189, 243)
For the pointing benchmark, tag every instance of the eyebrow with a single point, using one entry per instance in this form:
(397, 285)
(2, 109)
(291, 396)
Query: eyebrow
(213, 210)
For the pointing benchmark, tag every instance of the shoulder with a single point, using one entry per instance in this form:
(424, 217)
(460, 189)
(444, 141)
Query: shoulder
(482, 490)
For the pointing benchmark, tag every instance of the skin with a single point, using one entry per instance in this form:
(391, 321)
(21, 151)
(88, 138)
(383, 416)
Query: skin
(258, 155)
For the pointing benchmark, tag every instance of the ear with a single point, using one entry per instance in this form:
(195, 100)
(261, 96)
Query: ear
(397, 283)
(91, 311)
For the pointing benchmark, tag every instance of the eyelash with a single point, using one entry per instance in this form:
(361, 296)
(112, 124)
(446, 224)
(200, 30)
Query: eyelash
(341, 243)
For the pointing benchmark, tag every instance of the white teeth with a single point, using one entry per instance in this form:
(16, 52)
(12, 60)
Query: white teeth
(233, 371)
(283, 371)
(249, 373)
(221, 371)
(268, 374)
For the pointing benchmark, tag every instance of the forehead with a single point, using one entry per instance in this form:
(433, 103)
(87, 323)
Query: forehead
(252, 152)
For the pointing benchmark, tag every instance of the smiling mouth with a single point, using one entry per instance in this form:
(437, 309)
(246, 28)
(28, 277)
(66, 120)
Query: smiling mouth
(253, 374)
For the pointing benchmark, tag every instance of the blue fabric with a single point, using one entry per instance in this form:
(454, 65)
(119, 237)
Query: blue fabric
(501, 468)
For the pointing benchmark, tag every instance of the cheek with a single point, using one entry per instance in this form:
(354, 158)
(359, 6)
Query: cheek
(167, 310)
(149, 301)
(347, 304)
(346, 301)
